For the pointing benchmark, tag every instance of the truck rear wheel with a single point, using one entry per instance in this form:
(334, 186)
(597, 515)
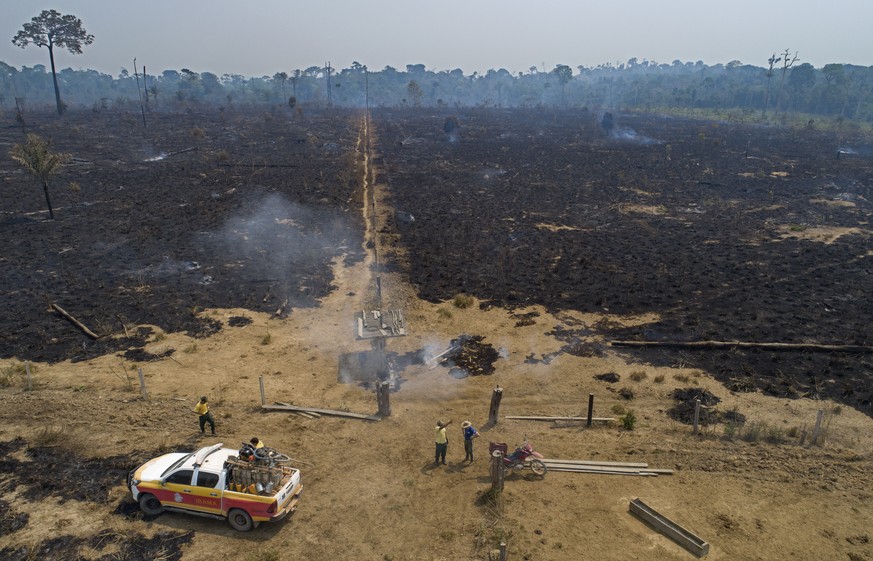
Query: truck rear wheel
(240, 520)
(150, 505)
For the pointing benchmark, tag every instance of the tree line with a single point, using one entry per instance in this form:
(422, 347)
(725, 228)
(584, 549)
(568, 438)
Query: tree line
(836, 90)
(785, 86)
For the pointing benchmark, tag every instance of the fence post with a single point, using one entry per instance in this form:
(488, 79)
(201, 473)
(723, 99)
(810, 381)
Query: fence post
(590, 409)
(497, 471)
(27, 371)
(383, 392)
(263, 393)
(502, 551)
(142, 386)
(696, 413)
(496, 396)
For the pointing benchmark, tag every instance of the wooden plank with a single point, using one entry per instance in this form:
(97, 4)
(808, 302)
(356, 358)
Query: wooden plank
(545, 418)
(279, 406)
(595, 471)
(696, 545)
(606, 469)
(596, 463)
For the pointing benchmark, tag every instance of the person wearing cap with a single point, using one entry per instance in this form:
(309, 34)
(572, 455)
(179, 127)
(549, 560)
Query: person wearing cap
(469, 434)
(202, 409)
(442, 442)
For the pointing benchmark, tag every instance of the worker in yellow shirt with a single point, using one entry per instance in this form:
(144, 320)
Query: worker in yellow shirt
(442, 442)
(256, 442)
(202, 409)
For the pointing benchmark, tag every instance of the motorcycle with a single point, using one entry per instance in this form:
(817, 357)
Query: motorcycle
(523, 457)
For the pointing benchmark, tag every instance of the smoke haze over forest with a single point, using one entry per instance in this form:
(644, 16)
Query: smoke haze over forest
(269, 36)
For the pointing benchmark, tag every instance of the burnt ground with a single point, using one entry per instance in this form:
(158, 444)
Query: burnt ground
(154, 224)
(703, 223)
(700, 222)
(49, 470)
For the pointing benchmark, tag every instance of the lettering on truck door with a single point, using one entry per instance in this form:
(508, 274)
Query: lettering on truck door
(207, 492)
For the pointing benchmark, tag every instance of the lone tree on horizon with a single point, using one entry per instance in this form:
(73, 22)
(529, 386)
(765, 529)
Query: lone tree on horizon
(52, 29)
(36, 157)
(565, 75)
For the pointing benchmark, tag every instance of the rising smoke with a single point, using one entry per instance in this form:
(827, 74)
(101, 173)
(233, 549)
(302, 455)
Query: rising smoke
(286, 246)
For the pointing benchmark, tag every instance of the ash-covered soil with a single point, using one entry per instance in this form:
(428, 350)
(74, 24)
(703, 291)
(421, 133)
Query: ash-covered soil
(153, 224)
(727, 231)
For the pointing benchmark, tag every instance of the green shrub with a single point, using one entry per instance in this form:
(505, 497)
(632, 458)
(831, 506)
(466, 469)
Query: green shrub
(629, 421)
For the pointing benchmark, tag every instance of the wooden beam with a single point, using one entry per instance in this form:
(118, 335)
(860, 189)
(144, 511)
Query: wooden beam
(279, 406)
(596, 463)
(545, 418)
(608, 470)
(672, 530)
(709, 345)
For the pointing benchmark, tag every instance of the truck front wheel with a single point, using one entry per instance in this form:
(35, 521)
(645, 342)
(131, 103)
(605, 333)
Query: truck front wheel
(150, 505)
(240, 520)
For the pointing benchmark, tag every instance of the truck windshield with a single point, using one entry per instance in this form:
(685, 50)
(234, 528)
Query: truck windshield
(177, 463)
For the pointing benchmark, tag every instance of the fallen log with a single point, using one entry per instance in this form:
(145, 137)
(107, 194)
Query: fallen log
(258, 165)
(707, 345)
(279, 406)
(74, 321)
(181, 151)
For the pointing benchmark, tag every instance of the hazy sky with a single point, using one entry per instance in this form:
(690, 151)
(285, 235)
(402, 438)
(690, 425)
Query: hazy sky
(262, 37)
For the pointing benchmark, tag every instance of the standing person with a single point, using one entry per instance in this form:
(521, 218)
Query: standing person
(442, 442)
(469, 434)
(202, 409)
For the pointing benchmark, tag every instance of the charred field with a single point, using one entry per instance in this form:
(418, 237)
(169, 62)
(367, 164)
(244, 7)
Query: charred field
(728, 232)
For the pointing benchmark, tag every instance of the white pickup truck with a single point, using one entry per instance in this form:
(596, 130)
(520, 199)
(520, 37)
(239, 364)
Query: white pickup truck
(217, 483)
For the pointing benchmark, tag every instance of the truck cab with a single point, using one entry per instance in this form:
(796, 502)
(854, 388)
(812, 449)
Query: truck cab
(215, 482)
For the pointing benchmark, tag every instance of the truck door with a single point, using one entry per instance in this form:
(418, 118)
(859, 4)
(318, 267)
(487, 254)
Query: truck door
(177, 490)
(207, 492)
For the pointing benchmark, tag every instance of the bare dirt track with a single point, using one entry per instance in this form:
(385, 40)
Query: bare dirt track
(565, 237)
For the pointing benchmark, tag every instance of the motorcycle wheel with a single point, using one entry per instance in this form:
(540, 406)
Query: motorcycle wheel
(538, 467)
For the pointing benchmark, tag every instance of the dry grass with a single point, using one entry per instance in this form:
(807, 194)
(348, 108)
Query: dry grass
(463, 301)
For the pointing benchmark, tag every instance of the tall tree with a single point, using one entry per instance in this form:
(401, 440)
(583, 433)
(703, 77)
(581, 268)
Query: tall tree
(564, 75)
(281, 77)
(772, 60)
(36, 157)
(415, 92)
(787, 62)
(52, 29)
